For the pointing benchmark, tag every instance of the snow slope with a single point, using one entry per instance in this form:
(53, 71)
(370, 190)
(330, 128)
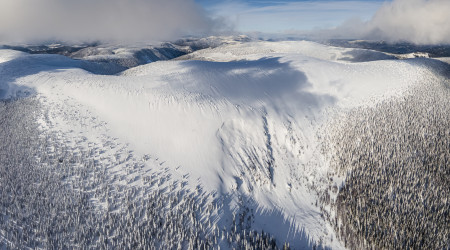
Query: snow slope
(240, 120)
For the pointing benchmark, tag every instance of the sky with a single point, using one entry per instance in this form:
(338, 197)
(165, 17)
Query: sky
(146, 21)
(415, 21)
(285, 15)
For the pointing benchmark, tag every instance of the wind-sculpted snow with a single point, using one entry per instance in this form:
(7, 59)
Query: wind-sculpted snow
(236, 127)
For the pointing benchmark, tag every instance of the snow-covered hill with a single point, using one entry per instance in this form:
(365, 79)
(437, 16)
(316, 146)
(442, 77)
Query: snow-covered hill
(240, 126)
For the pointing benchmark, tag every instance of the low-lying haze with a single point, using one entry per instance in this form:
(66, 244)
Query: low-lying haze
(105, 20)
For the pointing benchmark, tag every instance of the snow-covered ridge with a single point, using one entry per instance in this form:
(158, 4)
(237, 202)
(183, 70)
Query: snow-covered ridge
(112, 58)
(241, 50)
(239, 120)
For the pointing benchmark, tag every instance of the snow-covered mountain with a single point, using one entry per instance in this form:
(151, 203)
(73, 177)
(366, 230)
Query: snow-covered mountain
(247, 144)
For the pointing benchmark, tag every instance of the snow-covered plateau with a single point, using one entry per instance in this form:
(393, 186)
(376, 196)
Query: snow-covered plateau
(250, 144)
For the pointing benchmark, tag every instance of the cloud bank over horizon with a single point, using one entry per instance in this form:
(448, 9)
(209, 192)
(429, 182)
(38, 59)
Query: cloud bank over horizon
(104, 20)
(142, 21)
(415, 21)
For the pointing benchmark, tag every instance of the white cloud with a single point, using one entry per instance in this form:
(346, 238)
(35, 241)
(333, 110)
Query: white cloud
(416, 21)
(90, 20)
